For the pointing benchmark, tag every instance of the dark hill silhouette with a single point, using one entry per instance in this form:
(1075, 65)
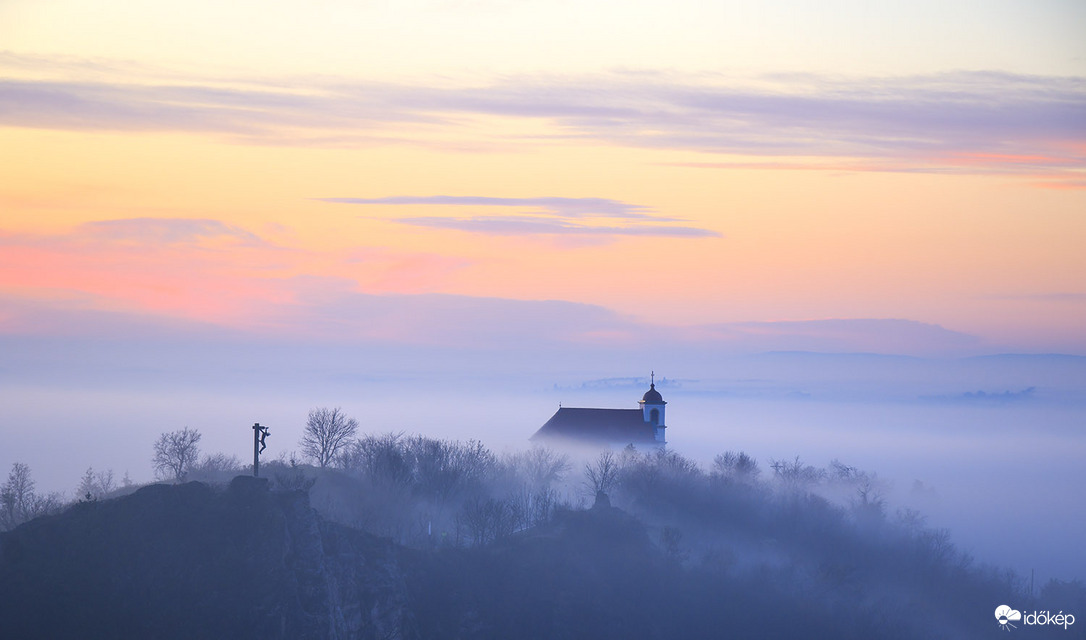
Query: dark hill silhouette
(190, 561)
(187, 561)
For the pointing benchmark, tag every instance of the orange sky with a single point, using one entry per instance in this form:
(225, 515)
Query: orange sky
(144, 176)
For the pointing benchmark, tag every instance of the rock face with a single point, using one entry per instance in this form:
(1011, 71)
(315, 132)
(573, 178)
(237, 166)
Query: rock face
(187, 561)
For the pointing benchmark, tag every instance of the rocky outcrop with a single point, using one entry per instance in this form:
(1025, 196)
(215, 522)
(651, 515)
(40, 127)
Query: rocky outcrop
(187, 561)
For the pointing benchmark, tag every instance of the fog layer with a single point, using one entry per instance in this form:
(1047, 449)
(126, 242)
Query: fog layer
(989, 447)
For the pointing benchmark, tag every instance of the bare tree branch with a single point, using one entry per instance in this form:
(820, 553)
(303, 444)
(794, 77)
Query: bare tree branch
(175, 453)
(327, 432)
(602, 474)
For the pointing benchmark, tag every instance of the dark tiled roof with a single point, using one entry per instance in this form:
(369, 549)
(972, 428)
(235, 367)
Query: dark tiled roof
(615, 426)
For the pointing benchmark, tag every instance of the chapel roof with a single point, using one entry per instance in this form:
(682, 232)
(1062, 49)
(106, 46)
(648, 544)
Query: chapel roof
(613, 426)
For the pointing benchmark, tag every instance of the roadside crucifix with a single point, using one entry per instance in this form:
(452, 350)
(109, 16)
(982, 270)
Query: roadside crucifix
(259, 434)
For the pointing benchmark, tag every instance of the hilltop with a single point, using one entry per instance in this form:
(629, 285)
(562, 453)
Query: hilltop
(189, 561)
(689, 555)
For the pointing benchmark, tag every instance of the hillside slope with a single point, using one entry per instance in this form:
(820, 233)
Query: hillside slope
(187, 561)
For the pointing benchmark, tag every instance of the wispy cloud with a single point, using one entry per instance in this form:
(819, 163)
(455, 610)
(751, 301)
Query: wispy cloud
(167, 230)
(963, 121)
(545, 216)
(558, 206)
(498, 225)
(1059, 296)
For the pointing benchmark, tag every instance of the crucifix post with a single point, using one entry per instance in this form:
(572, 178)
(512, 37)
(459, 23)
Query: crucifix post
(259, 433)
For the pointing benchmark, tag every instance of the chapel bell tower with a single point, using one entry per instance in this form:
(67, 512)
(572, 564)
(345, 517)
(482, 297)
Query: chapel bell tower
(652, 409)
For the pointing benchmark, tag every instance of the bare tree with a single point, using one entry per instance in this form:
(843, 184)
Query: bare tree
(539, 468)
(796, 476)
(175, 453)
(95, 485)
(292, 477)
(327, 432)
(488, 520)
(602, 474)
(19, 503)
(446, 468)
(736, 467)
(532, 508)
(869, 508)
(384, 459)
(218, 463)
(16, 496)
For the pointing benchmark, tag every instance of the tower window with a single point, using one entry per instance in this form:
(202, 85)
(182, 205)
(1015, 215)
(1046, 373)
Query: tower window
(654, 416)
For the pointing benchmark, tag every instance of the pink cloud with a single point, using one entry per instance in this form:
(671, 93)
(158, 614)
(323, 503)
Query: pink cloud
(198, 269)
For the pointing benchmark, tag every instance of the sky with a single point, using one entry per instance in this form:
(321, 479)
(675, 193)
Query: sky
(688, 167)
(451, 215)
